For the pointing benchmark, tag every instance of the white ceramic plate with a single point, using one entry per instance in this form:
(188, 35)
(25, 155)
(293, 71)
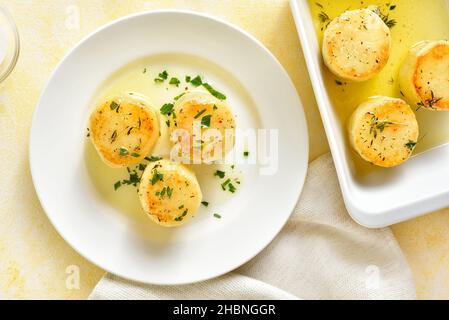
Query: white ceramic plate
(383, 197)
(127, 245)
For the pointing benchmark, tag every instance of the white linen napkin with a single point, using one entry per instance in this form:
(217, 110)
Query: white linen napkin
(320, 254)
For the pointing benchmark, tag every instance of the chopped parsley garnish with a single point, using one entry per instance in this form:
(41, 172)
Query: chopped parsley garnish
(179, 96)
(205, 203)
(135, 155)
(323, 17)
(246, 153)
(169, 192)
(181, 217)
(214, 92)
(162, 77)
(389, 22)
(215, 107)
(385, 17)
(165, 191)
(157, 176)
(124, 152)
(188, 78)
(378, 125)
(174, 81)
(181, 207)
(205, 122)
(216, 215)
(134, 179)
(325, 20)
(114, 105)
(199, 113)
(144, 70)
(411, 145)
(224, 184)
(220, 174)
(167, 108)
(381, 125)
(129, 131)
(114, 136)
(429, 103)
(153, 159)
(197, 81)
(228, 184)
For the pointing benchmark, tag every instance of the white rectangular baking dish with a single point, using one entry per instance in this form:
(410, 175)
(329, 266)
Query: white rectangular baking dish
(386, 196)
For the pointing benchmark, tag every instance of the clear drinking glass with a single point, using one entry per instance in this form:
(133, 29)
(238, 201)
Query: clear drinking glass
(9, 43)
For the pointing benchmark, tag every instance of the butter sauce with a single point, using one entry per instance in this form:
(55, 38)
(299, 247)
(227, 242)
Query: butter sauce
(138, 78)
(414, 21)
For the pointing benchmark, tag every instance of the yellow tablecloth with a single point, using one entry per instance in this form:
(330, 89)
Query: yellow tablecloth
(34, 261)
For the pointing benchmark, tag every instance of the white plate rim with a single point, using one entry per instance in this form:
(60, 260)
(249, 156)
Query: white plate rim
(304, 129)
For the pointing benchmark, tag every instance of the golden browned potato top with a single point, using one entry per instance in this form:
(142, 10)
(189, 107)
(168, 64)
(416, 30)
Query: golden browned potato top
(215, 120)
(357, 45)
(384, 131)
(169, 193)
(124, 130)
(431, 78)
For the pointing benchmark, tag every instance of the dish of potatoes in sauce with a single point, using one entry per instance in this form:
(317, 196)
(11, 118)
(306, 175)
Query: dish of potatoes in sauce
(129, 132)
(387, 74)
